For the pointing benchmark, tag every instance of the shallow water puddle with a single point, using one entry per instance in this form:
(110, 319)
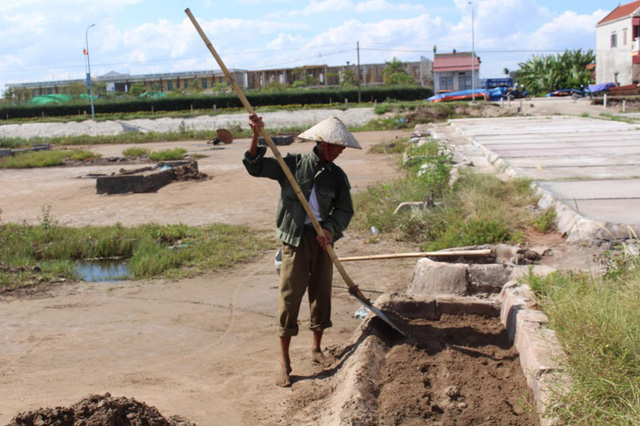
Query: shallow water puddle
(103, 270)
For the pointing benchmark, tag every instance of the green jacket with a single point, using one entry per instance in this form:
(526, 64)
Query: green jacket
(332, 191)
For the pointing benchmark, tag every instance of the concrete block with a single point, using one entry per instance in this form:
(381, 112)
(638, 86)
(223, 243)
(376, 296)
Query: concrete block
(421, 130)
(436, 278)
(119, 184)
(124, 184)
(525, 270)
(514, 298)
(155, 181)
(411, 307)
(539, 349)
(488, 278)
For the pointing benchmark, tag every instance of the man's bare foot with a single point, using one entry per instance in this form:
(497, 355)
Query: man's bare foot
(324, 360)
(283, 377)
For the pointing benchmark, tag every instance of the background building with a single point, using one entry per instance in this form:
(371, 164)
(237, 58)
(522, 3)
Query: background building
(618, 46)
(310, 75)
(453, 71)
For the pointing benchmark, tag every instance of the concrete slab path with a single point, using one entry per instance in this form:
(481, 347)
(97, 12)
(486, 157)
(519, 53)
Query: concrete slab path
(588, 169)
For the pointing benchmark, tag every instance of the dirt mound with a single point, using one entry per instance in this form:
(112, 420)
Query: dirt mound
(458, 370)
(443, 112)
(98, 410)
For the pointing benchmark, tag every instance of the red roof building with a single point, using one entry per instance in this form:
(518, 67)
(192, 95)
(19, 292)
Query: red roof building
(453, 71)
(454, 62)
(618, 46)
(622, 11)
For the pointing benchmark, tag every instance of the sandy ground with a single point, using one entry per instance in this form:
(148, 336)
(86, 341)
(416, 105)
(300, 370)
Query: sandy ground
(202, 348)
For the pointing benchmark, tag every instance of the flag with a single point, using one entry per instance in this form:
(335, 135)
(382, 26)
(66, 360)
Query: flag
(84, 51)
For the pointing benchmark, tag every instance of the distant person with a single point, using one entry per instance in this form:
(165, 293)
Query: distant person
(306, 266)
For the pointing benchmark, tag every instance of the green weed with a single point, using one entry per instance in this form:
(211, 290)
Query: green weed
(546, 221)
(596, 320)
(168, 154)
(34, 159)
(478, 209)
(47, 252)
(397, 146)
(136, 152)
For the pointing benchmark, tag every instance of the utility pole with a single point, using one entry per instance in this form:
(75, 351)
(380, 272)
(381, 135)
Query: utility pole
(86, 40)
(473, 59)
(358, 48)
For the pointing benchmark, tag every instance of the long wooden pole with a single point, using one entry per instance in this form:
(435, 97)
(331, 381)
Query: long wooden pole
(437, 254)
(353, 288)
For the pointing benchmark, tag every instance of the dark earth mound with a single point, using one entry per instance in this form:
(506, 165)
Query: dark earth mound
(99, 410)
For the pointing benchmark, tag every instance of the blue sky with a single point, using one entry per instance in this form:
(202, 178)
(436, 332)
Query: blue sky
(42, 40)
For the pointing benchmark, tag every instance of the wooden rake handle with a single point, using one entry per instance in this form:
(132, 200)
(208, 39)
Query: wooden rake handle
(353, 288)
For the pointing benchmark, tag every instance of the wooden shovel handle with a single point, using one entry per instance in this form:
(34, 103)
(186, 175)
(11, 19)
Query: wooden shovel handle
(353, 288)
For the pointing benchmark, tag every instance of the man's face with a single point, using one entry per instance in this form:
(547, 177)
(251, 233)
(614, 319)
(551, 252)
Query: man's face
(330, 152)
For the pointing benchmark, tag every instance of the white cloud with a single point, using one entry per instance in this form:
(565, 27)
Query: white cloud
(378, 37)
(325, 6)
(285, 41)
(567, 31)
(383, 5)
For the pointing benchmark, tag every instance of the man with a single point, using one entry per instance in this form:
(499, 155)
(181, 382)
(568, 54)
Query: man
(305, 263)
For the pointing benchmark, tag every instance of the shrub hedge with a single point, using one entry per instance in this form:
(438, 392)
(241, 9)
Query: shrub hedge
(221, 101)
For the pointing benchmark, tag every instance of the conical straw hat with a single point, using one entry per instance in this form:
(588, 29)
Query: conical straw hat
(332, 131)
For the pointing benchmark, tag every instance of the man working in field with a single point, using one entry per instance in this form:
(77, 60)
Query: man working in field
(305, 264)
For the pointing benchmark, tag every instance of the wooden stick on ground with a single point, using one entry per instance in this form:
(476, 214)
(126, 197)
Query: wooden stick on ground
(437, 254)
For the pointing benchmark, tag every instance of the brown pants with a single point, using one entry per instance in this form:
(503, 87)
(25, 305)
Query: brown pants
(305, 266)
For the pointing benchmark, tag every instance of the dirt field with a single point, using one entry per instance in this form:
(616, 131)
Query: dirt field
(204, 348)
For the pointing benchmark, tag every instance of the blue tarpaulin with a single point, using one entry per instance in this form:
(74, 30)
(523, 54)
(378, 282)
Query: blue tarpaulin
(602, 87)
(494, 94)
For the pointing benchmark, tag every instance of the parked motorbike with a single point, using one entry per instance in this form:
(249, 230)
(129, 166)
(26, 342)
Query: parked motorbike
(517, 93)
(582, 92)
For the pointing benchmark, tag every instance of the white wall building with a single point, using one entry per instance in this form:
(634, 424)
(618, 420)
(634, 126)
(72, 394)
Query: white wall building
(453, 72)
(618, 46)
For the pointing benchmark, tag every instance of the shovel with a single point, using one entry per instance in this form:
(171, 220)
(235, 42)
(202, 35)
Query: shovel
(353, 288)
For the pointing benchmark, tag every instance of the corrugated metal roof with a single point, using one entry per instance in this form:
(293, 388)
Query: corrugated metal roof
(621, 12)
(447, 63)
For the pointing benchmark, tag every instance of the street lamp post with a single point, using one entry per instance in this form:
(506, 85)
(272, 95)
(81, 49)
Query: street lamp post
(89, 85)
(473, 59)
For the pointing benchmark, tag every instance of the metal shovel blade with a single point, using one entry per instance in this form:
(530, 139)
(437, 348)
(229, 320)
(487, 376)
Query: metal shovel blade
(383, 317)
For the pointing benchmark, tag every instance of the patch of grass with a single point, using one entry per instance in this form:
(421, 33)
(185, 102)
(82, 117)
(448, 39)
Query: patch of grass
(545, 222)
(392, 105)
(614, 117)
(136, 152)
(12, 143)
(122, 138)
(47, 252)
(33, 159)
(596, 320)
(397, 146)
(168, 154)
(386, 123)
(478, 209)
